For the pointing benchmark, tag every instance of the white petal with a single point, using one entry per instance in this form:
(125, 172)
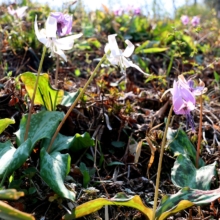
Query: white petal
(40, 36)
(129, 49)
(66, 43)
(51, 27)
(137, 67)
(113, 45)
(60, 53)
(21, 11)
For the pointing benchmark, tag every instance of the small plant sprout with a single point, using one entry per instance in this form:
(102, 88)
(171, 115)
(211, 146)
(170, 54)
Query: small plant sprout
(118, 57)
(48, 37)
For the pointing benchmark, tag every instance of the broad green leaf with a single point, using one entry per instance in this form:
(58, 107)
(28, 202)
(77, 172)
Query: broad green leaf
(43, 125)
(62, 142)
(69, 98)
(4, 123)
(45, 94)
(195, 179)
(9, 213)
(10, 194)
(85, 172)
(182, 205)
(180, 144)
(53, 169)
(193, 196)
(96, 204)
(12, 158)
(81, 141)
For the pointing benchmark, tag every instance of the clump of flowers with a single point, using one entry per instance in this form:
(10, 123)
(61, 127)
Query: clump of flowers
(130, 9)
(184, 98)
(17, 13)
(195, 21)
(56, 25)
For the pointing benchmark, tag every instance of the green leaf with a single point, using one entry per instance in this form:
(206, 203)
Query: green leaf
(9, 213)
(118, 144)
(115, 163)
(96, 204)
(45, 94)
(53, 169)
(216, 76)
(10, 194)
(4, 123)
(153, 50)
(43, 125)
(81, 141)
(180, 144)
(69, 98)
(195, 179)
(85, 172)
(63, 142)
(12, 158)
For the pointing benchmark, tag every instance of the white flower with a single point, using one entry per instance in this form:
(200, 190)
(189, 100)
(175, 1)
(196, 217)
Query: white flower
(49, 38)
(19, 12)
(117, 56)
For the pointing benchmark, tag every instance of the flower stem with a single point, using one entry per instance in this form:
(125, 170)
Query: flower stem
(57, 70)
(75, 102)
(199, 134)
(160, 164)
(34, 93)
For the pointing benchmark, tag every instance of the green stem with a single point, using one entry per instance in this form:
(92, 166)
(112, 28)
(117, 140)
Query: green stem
(34, 93)
(57, 70)
(75, 102)
(160, 164)
(200, 134)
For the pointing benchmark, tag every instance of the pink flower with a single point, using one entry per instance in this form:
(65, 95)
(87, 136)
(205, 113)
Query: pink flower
(19, 12)
(137, 11)
(64, 23)
(184, 19)
(183, 103)
(195, 21)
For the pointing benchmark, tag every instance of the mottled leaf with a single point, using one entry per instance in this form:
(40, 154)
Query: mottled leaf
(180, 144)
(94, 205)
(10, 194)
(195, 178)
(53, 169)
(69, 98)
(43, 125)
(45, 94)
(12, 158)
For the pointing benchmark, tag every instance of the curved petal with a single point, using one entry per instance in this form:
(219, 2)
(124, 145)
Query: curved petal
(60, 53)
(51, 27)
(129, 49)
(113, 45)
(66, 43)
(41, 35)
(129, 63)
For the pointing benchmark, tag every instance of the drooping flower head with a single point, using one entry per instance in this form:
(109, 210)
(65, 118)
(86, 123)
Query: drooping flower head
(195, 21)
(118, 57)
(184, 19)
(183, 102)
(48, 36)
(18, 13)
(64, 23)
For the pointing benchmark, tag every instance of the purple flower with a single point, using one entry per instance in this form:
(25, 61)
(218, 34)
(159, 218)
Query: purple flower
(137, 11)
(64, 23)
(198, 90)
(195, 21)
(183, 102)
(184, 19)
